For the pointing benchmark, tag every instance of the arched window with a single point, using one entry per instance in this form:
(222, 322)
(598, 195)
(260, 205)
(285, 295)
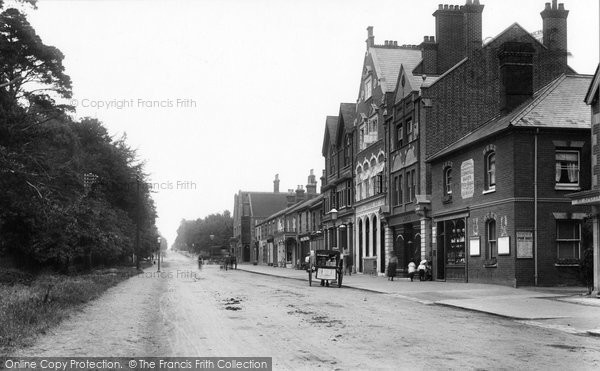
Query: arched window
(448, 181)
(490, 171)
(491, 239)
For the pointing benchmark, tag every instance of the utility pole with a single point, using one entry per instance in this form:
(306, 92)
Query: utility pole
(137, 224)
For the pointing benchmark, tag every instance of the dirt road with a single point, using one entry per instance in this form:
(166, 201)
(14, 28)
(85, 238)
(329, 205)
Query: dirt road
(210, 312)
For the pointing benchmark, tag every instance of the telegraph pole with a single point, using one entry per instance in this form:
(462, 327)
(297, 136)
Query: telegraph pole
(137, 224)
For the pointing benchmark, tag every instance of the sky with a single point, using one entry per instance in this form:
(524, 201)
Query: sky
(220, 95)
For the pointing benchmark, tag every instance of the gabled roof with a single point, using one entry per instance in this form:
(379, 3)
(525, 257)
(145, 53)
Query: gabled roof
(558, 105)
(330, 132)
(346, 118)
(413, 82)
(263, 204)
(387, 62)
(593, 89)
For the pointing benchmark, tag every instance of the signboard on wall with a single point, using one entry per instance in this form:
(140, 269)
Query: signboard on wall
(474, 249)
(525, 245)
(504, 245)
(467, 179)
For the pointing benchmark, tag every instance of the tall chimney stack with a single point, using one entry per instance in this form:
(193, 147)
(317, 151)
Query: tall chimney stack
(370, 37)
(311, 185)
(276, 184)
(449, 33)
(472, 26)
(555, 29)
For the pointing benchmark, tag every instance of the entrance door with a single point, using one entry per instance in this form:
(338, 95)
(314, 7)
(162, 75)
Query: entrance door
(441, 252)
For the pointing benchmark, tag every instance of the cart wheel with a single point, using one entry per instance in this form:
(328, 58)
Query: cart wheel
(339, 279)
(309, 277)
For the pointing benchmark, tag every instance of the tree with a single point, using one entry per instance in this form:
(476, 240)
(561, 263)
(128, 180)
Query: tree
(195, 235)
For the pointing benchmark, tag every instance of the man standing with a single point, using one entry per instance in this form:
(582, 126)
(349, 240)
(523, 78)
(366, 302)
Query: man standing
(348, 261)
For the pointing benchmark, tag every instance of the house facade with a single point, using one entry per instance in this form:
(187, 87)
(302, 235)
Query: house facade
(337, 180)
(591, 197)
(380, 71)
(284, 238)
(249, 209)
(492, 223)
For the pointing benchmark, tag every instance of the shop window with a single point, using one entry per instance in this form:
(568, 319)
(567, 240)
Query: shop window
(490, 171)
(567, 169)
(568, 239)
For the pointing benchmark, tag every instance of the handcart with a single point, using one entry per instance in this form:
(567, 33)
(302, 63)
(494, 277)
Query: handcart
(326, 266)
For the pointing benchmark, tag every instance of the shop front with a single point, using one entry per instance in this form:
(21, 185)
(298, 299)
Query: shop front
(450, 259)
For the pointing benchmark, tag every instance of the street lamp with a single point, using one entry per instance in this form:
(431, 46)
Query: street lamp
(158, 240)
(334, 215)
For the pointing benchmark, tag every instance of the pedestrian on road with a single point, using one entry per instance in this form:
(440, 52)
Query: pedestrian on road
(393, 264)
(348, 261)
(412, 269)
(422, 269)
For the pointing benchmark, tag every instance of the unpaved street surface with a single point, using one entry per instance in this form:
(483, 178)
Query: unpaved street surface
(210, 312)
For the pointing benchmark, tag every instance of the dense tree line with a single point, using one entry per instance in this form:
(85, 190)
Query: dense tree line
(51, 212)
(195, 235)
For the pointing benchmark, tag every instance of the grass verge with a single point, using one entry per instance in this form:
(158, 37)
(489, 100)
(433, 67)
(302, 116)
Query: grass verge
(33, 305)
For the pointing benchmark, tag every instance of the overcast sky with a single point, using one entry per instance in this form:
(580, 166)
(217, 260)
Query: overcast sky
(222, 95)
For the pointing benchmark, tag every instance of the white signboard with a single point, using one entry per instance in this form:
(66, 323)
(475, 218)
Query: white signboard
(474, 246)
(467, 179)
(504, 245)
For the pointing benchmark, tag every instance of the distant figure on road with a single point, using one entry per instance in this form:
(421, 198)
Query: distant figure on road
(393, 264)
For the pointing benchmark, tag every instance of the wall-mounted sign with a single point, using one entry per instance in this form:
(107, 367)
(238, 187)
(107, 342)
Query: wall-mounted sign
(525, 245)
(504, 245)
(467, 179)
(474, 249)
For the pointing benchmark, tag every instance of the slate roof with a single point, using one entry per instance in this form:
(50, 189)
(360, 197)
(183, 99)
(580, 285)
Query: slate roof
(348, 113)
(387, 62)
(263, 204)
(330, 132)
(559, 104)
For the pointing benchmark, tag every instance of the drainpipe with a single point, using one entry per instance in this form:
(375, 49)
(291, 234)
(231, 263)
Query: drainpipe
(535, 205)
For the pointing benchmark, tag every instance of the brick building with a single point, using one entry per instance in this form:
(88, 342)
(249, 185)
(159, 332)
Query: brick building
(249, 209)
(592, 196)
(380, 72)
(337, 180)
(503, 215)
(285, 237)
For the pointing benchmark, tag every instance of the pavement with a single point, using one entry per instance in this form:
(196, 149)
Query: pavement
(566, 309)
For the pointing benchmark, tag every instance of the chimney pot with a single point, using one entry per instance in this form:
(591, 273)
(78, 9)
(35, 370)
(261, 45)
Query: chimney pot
(554, 2)
(445, 6)
(476, 2)
(395, 43)
(469, 2)
(547, 5)
(561, 6)
(425, 38)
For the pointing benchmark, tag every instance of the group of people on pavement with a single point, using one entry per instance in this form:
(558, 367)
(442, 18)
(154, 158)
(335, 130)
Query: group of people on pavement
(424, 269)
